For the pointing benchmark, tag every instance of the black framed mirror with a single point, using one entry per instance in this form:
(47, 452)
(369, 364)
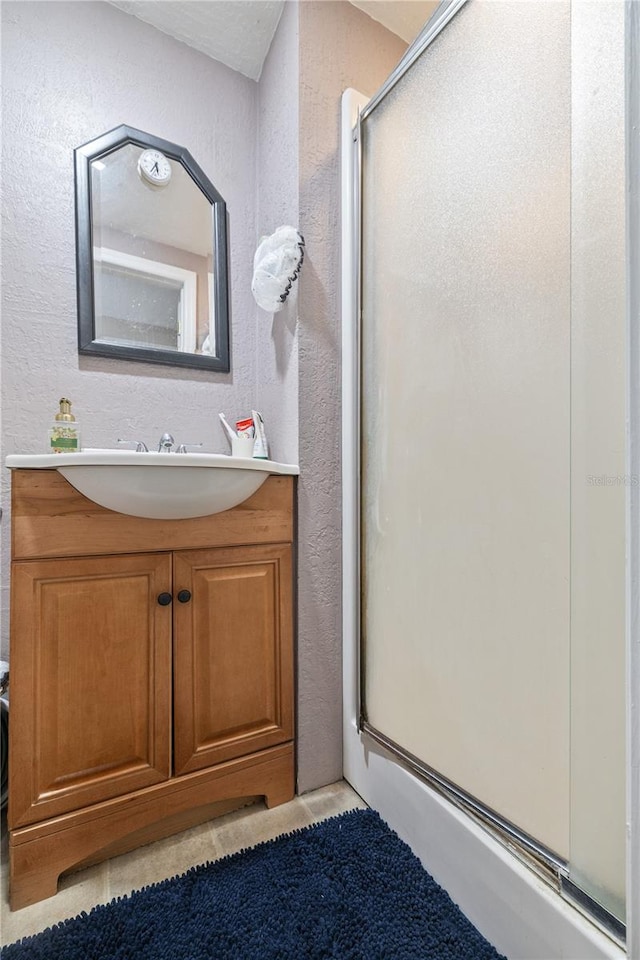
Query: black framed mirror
(151, 252)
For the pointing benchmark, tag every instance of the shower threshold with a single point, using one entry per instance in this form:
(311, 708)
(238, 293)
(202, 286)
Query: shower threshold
(550, 867)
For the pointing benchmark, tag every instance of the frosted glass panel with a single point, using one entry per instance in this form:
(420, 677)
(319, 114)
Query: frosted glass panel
(493, 418)
(138, 309)
(598, 454)
(466, 406)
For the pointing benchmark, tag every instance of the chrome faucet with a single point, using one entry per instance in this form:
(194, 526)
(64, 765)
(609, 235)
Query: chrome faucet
(183, 447)
(141, 446)
(166, 443)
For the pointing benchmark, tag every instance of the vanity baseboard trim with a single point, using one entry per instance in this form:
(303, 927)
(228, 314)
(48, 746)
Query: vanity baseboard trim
(41, 852)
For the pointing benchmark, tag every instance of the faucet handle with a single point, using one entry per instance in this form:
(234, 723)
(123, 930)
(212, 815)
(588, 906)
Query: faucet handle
(141, 446)
(183, 447)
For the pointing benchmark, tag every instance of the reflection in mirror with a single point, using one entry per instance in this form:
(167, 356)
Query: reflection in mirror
(152, 258)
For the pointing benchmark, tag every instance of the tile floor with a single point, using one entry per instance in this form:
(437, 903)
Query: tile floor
(166, 858)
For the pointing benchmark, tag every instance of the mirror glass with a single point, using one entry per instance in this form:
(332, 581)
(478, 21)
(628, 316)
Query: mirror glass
(152, 258)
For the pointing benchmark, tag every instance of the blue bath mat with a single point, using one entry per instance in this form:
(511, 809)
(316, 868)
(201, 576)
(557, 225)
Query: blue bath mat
(344, 889)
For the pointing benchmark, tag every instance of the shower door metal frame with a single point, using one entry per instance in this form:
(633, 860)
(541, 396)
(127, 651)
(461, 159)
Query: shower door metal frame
(545, 862)
(632, 123)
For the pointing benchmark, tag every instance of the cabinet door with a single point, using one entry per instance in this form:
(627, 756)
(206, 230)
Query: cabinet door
(91, 682)
(233, 653)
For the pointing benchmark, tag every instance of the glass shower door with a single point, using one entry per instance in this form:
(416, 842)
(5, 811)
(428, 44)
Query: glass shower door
(477, 362)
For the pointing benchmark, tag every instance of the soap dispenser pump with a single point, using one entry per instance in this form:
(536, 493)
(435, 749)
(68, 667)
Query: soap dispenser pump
(64, 435)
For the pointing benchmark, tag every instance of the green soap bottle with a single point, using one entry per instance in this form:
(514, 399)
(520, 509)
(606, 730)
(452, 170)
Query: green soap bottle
(64, 435)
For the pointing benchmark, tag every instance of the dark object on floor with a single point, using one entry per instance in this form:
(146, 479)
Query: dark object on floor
(4, 751)
(347, 889)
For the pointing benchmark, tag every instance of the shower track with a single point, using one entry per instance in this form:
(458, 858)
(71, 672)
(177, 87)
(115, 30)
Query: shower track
(544, 862)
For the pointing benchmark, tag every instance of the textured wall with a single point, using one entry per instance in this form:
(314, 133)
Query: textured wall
(339, 47)
(71, 71)
(234, 33)
(277, 204)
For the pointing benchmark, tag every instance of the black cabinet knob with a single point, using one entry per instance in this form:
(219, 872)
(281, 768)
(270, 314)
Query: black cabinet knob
(164, 599)
(184, 596)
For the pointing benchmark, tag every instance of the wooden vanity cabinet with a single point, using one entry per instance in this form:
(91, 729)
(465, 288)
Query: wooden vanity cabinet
(151, 689)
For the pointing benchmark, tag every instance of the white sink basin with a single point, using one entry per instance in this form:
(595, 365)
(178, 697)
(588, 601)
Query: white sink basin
(161, 486)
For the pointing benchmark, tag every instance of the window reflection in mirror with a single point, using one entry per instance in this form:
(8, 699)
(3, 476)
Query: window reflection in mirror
(151, 253)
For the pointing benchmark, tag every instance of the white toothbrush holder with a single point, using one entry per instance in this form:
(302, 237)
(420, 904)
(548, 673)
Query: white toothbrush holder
(242, 446)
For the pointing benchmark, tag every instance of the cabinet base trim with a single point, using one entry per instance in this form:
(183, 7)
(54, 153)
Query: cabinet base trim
(41, 852)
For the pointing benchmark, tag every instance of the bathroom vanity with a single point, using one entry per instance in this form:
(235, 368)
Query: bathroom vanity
(151, 672)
